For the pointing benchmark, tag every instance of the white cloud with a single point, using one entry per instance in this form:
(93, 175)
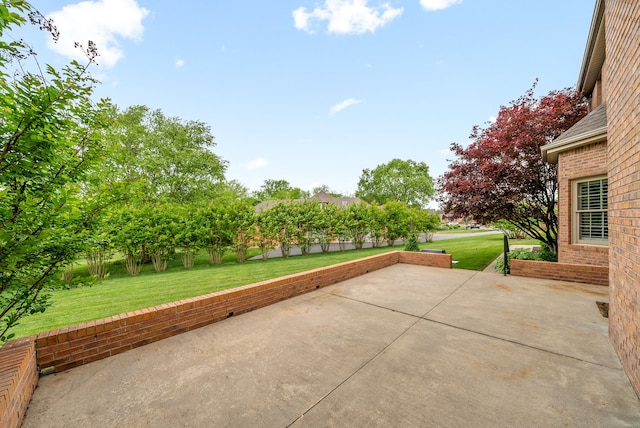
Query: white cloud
(343, 105)
(103, 22)
(492, 119)
(444, 152)
(433, 5)
(256, 164)
(179, 63)
(346, 16)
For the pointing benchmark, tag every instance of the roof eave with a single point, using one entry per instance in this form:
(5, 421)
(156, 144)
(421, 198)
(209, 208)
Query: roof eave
(594, 53)
(551, 151)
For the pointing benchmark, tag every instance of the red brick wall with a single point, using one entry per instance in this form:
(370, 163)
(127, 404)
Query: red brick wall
(583, 162)
(73, 346)
(69, 347)
(622, 78)
(586, 274)
(18, 379)
(422, 259)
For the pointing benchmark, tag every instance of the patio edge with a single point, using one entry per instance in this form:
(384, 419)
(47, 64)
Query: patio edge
(64, 348)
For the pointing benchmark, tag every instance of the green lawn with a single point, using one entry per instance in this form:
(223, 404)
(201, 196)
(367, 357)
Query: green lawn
(122, 293)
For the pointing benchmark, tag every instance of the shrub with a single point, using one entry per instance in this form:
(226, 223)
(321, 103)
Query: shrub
(412, 243)
(525, 254)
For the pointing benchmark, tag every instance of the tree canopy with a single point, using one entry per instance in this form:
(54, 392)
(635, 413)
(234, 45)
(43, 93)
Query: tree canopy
(501, 174)
(162, 158)
(279, 189)
(399, 180)
(51, 134)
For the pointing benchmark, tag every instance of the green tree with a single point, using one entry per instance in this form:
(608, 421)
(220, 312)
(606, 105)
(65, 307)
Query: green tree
(214, 221)
(241, 220)
(358, 222)
(424, 221)
(396, 222)
(280, 224)
(376, 224)
(401, 181)
(189, 234)
(162, 158)
(279, 189)
(305, 218)
(266, 233)
(128, 233)
(161, 228)
(326, 226)
(51, 135)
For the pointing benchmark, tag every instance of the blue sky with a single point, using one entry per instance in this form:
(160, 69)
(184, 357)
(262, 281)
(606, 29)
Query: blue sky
(315, 91)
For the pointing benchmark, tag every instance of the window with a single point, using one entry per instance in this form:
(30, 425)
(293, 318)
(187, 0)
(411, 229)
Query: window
(591, 222)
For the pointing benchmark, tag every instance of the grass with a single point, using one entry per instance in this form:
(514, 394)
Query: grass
(461, 230)
(122, 293)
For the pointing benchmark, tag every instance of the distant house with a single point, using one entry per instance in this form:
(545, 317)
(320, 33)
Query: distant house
(265, 205)
(325, 198)
(599, 172)
(322, 198)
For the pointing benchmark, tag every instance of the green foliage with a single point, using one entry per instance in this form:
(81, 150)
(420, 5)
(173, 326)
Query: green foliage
(241, 219)
(160, 234)
(129, 235)
(279, 189)
(526, 254)
(357, 222)
(155, 158)
(305, 218)
(407, 181)
(122, 293)
(213, 222)
(412, 243)
(189, 237)
(546, 254)
(51, 136)
(396, 219)
(512, 231)
(325, 227)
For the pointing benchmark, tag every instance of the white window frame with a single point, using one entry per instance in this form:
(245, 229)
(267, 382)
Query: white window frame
(576, 214)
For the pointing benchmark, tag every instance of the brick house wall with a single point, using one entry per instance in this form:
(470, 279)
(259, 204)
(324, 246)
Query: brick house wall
(623, 110)
(582, 162)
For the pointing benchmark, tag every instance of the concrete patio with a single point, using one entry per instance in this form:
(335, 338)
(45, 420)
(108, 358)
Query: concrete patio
(403, 346)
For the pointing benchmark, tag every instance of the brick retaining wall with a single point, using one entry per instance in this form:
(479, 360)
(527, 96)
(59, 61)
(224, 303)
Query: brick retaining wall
(18, 379)
(587, 274)
(68, 347)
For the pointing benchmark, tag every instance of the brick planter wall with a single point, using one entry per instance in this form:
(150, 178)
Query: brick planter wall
(587, 274)
(18, 379)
